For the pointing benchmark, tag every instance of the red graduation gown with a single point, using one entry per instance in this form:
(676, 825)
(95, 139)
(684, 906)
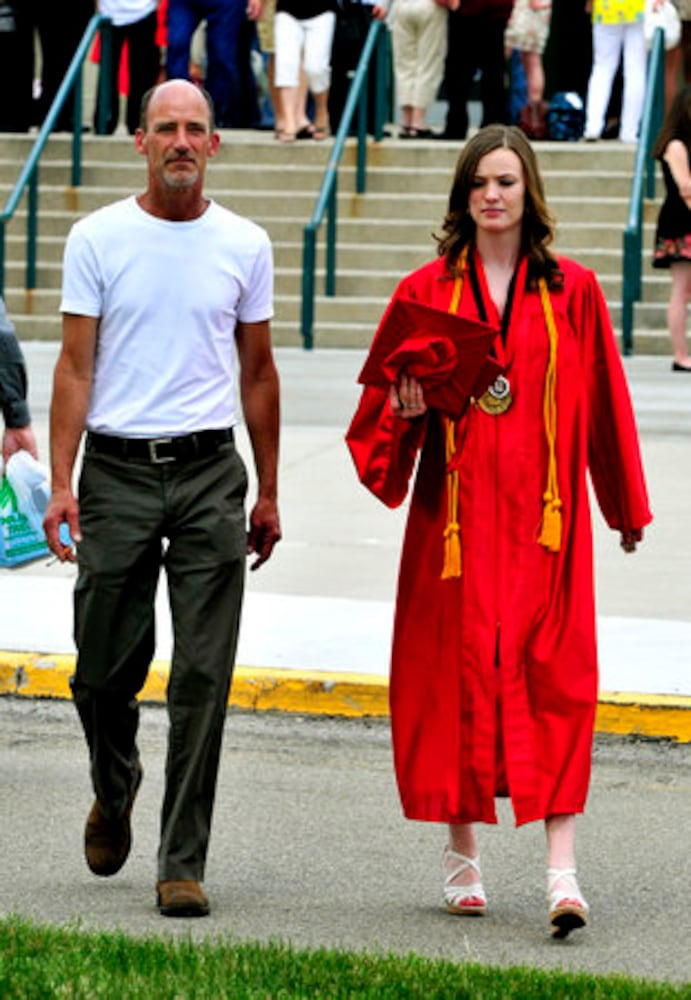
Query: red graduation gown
(494, 673)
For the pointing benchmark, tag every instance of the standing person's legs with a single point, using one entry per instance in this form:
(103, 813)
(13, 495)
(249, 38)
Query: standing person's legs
(679, 299)
(119, 561)
(319, 33)
(490, 41)
(224, 19)
(16, 68)
(117, 36)
(607, 43)
(431, 54)
(60, 28)
(183, 19)
(567, 908)
(352, 25)
(463, 891)
(144, 65)
(634, 82)
(404, 50)
(461, 63)
(288, 42)
(205, 566)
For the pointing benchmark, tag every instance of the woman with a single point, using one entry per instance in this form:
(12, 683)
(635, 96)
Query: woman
(617, 28)
(418, 40)
(527, 32)
(303, 37)
(494, 673)
(673, 237)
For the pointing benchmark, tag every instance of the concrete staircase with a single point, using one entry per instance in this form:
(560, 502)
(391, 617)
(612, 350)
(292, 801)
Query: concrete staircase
(381, 234)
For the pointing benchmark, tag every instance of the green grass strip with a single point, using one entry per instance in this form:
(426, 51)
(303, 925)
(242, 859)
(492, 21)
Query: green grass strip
(52, 963)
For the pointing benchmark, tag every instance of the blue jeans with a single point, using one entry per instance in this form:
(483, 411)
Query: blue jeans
(224, 19)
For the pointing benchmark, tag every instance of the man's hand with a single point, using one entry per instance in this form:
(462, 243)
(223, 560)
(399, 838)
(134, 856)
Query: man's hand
(630, 539)
(18, 439)
(62, 509)
(265, 531)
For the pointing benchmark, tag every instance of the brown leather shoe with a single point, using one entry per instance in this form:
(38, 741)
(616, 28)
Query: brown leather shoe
(107, 842)
(182, 898)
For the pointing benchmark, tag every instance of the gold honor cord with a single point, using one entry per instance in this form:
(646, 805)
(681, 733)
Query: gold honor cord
(550, 532)
(551, 528)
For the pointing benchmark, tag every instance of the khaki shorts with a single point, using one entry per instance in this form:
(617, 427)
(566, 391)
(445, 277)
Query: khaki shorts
(528, 29)
(684, 7)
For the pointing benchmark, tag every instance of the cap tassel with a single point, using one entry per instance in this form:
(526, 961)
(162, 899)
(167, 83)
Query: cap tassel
(551, 529)
(452, 532)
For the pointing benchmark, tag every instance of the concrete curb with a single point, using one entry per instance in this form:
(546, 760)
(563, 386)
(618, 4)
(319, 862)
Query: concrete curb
(40, 675)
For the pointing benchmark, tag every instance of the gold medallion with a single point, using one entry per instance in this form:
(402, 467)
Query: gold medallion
(497, 399)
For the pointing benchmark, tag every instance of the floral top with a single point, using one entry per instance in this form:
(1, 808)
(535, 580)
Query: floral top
(617, 11)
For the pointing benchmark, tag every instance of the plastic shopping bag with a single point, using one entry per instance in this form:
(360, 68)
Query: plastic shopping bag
(24, 493)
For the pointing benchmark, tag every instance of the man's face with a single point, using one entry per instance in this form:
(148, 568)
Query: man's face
(178, 139)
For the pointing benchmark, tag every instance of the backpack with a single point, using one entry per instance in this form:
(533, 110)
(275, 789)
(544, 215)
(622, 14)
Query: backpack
(565, 117)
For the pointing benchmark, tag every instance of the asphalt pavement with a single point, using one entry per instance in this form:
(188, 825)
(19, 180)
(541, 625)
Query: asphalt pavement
(308, 846)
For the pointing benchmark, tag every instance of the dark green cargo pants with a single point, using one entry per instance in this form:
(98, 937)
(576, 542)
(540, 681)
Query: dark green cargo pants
(136, 516)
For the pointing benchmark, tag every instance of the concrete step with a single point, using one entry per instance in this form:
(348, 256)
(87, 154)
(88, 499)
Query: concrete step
(382, 234)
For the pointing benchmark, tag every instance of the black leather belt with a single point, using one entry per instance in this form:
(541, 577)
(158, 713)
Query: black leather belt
(161, 449)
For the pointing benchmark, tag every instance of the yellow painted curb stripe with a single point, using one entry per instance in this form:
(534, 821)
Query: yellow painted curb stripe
(36, 675)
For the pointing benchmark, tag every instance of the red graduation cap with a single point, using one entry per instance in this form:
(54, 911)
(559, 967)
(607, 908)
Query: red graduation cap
(447, 353)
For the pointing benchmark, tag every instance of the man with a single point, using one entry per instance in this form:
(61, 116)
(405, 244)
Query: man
(18, 434)
(159, 292)
(225, 65)
(353, 21)
(476, 42)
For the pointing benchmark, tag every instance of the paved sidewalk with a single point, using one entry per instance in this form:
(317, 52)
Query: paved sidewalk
(317, 621)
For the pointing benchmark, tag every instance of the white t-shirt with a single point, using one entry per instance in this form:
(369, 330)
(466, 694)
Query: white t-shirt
(123, 12)
(168, 295)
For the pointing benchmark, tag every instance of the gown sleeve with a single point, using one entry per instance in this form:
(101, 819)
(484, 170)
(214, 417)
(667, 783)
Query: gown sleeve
(614, 456)
(383, 446)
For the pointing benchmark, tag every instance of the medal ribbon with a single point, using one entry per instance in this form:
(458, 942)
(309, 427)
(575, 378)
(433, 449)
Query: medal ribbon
(551, 528)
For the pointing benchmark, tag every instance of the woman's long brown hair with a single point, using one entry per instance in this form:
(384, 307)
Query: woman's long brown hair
(537, 231)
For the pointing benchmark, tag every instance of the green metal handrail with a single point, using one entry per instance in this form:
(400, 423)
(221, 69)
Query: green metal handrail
(653, 113)
(374, 48)
(28, 177)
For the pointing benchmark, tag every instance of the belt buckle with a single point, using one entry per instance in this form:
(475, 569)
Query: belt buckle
(154, 457)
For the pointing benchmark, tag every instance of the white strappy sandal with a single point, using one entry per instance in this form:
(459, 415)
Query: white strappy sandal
(467, 900)
(567, 909)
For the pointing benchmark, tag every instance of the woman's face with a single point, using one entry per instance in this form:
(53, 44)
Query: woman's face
(497, 193)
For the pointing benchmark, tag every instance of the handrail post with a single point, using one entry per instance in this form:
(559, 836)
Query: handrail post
(361, 172)
(77, 131)
(31, 230)
(2, 256)
(105, 76)
(381, 74)
(644, 177)
(331, 239)
(308, 259)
